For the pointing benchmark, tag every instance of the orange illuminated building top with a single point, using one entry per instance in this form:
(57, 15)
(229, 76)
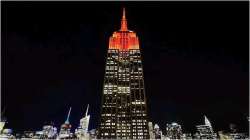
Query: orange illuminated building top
(124, 39)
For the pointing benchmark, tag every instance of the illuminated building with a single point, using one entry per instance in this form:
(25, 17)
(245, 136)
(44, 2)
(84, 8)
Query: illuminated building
(49, 132)
(65, 128)
(205, 131)
(7, 134)
(82, 131)
(151, 130)
(2, 123)
(174, 131)
(186, 136)
(124, 112)
(157, 132)
(232, 134)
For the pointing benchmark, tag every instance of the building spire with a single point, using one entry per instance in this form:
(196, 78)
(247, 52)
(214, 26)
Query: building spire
(124, 21)
(207, 122)
(67, 120)
(124, 14)
(87, 110)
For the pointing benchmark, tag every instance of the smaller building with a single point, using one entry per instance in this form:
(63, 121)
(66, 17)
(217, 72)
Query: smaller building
(82, 131)
(93, 134)
(2, 123)
(7, 134)
(173, 131)
(205, 131)
(157, 132)
(151, 130)
(65, 129)
(49, 132)
(186, 136)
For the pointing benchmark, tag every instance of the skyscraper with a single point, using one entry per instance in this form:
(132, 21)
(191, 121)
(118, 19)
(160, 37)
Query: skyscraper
(82, 130)
(65, 128)
(124, 111)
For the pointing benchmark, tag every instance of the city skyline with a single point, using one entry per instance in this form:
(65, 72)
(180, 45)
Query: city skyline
(191, 64)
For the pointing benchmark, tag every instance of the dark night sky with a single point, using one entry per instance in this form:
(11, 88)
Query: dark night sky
(195, 58)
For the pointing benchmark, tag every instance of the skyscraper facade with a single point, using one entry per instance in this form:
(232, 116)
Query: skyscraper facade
(124, 111)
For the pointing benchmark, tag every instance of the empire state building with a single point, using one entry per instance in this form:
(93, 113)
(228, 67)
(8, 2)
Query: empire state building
(124, 110)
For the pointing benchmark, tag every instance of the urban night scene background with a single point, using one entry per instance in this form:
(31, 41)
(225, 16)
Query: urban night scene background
(194, 56)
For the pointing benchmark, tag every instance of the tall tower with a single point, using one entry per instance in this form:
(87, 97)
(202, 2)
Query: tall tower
(65, 128)
(82, 131)
(124, 111)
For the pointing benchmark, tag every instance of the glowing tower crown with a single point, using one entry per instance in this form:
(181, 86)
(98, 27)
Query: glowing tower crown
(124, 39)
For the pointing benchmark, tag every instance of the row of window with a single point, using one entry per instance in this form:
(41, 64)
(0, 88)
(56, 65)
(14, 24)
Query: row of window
(138, 102)
(139, 121)
(110, 85)
(111, 61)
(106, 134)
(139, 124)
(123, 75)
(139, 115)
(123, 54)
(128, 134)
(108, 127)
(130, 50)
(124, 80)
(123, 125)
(135, 87)
(124, 58)
(109, 91)
(123, 89)
(110, 103)
(111, 67)
(107, 114)
(140, 134)
(127, 78)
(109, 123)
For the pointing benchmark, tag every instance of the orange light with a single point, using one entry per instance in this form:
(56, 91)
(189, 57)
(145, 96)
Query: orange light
(124, 39)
